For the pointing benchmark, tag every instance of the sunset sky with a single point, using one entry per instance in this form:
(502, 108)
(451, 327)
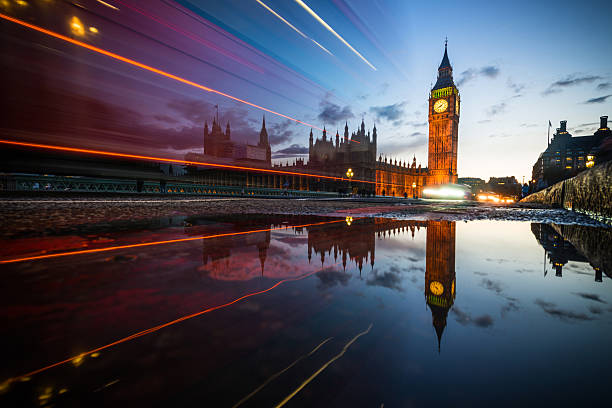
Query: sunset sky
(517, 66)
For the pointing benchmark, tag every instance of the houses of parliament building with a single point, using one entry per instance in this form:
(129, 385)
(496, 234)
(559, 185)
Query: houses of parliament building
(331, 157)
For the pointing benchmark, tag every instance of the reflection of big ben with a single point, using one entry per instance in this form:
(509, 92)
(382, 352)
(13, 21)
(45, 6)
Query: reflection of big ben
(440, 272)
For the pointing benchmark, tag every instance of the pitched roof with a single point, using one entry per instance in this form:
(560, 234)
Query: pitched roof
(445, 62)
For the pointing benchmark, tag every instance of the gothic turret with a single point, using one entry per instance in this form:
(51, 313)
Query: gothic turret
(346, 133)
(264, 142)
(445, 71)
(263, 134)
(337, 139)
(374, 134)
(310, 141)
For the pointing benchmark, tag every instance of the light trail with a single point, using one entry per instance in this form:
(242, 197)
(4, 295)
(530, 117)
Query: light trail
(193, 37)
(170, 241)
(154, 329)
(264, 5)
(107, 5)
(276, 375)
(146, 67)
(331, 30)
(166, 160)
(312, 377)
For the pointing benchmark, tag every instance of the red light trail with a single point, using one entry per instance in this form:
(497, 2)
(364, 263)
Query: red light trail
(145, 67)
(171, 241)
(166, 160)
(158, 327)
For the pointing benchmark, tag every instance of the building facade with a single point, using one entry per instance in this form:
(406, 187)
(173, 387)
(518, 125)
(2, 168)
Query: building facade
(332, 157)
(444, 105)
(567, 155)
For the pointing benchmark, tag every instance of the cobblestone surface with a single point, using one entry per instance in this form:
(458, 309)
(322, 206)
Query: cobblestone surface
(31, 216)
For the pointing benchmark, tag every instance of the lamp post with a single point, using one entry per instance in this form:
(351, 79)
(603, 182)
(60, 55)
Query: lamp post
(414, 194)
(350, 174)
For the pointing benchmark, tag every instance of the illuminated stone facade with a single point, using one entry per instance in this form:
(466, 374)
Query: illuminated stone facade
(444, 105)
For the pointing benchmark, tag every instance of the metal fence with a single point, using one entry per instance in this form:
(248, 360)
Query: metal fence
(33, 183)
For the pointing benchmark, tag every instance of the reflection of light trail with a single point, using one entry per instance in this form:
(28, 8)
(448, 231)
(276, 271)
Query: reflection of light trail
(331, 30)
(146, 67)
(171, 241)
(291, 25)
(242, 401)
(309, 379)
(166, 160)
(157, 328)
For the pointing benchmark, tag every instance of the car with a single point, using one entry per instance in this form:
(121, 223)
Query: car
(448, 192)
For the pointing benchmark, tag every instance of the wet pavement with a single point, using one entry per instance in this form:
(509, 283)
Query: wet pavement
(349, 309)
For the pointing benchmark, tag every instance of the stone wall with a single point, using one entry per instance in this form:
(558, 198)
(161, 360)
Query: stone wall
(589, 192)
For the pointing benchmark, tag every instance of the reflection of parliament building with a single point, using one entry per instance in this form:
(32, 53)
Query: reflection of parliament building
(233, 257)
(334, 155)
(564, 243)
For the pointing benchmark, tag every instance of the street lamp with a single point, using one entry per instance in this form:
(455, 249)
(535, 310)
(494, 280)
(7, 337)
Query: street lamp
(414, 194)
(350, 174)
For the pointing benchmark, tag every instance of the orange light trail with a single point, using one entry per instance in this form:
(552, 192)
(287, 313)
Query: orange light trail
(171, 241)
(145, 67)
(159, 327)
(166, 160)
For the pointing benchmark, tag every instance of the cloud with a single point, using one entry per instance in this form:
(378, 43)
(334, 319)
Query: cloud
(601, 99)
(389, 112)
(528, 125)
(494, 286)
(604, 85)
(497, 109)
(465, 319)
(485, 121)
(590, 296)
(595, 309)
(165, 119)
(415, 134)
(565, 315)
(294, 149)
(570, 80)
(279, 133)
(193, 110)
(388, 280)
(489, 71)
(397, 148)
(332, 113)
(417, 124)
(330, 278)
(515, 87)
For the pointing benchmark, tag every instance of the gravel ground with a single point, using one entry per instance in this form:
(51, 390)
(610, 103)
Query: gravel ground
(27, 216)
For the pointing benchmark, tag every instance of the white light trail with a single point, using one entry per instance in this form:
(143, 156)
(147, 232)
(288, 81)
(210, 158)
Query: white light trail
(292, 26)
(324, 24)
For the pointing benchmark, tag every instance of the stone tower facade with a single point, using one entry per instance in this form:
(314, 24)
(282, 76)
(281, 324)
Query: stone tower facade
(444, 105)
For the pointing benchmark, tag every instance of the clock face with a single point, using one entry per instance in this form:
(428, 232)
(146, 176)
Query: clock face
(436, 288)
(441, 105)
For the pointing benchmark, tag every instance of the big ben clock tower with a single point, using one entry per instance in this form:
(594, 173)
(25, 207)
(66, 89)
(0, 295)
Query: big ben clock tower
(444, 104)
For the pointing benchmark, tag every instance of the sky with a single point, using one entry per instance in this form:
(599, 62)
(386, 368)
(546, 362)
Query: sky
(517, 65)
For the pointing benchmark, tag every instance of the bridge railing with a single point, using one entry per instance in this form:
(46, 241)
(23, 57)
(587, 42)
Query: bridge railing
(35, 183)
